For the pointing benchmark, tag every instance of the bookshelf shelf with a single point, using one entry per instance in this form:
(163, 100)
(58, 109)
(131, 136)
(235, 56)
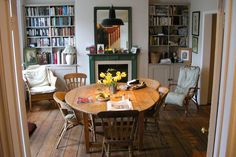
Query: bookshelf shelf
(168, 29)
(49, 28)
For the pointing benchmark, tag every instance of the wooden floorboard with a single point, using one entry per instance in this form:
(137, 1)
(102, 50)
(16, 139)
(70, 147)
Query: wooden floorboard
(181, 136)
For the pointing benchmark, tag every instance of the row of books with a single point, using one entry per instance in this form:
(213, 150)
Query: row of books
(165, 10)
(158, 31)
(37, 32)
(180, 20)
(44, 58)
(158, 10)
(165, 21)
(62, 21)
(156, 40)
(37, 11)
(44, 11)
(38, 42)
(62, 10)
(59, 57)
(63, 31)
(178, 10)
(160, 21)
(37, 22)
(179, 30)
(178, 41)
(63, 41)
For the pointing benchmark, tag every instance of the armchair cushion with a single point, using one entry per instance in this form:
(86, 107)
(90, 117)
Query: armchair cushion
(42, 89)
(188, 77)
(36, 76)
(175, 98)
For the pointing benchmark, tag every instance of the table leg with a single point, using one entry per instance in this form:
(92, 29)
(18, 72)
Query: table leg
(86, 132)
(141, 130)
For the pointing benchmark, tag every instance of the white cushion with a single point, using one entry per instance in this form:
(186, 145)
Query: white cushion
(175, 98)
(42, 89)
(36, 76)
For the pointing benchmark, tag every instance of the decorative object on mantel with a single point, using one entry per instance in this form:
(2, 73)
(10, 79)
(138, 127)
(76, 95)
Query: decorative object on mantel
(70, 52)
(112, 20)
(100, 48)
(91, 49)
(111, 81)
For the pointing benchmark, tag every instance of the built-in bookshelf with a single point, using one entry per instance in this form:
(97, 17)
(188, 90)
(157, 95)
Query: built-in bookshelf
(168, 30)
(49, 28)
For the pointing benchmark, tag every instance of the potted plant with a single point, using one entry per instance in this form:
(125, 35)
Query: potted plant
(110, 80)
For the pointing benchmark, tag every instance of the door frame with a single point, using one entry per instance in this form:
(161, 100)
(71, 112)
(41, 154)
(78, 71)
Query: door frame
(226, 118)
(13, 126)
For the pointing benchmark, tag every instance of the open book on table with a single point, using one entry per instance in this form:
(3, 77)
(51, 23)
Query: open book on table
(119, 105)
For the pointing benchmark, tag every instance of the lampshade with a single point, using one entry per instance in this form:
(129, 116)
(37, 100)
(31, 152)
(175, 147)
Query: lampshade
(112, 20)
(69, 50)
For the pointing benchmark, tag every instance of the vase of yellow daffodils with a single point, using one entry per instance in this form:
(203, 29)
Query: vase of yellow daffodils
(110, 80)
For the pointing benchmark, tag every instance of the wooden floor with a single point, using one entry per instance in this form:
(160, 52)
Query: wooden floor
(181, 135)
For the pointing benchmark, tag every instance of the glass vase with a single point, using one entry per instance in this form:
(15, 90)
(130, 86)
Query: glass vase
(113, 89)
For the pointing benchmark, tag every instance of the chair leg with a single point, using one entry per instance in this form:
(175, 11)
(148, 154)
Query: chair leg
(164, 106)
(130, 151)
(30, 103)
(186, 107)
(194, 99)
(62, 134)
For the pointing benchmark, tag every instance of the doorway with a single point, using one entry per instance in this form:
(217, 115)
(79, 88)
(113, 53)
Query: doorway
(208, 57)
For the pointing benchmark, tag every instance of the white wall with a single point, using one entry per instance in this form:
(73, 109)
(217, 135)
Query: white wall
(203, 6)
(85, 29)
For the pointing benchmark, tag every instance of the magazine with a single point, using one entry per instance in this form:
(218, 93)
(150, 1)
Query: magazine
(119, 105)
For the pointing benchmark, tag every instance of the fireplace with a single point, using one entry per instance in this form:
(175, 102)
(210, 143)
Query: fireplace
(122, 66)
(121, 62)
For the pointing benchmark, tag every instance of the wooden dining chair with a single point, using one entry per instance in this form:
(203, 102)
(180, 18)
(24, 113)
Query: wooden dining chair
(150, 83)
(119, 129)
(74, 80)
(151, 116)
(67, 113)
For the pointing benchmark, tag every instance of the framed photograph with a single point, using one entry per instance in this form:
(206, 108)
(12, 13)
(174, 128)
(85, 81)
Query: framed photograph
(195, 23)
(185, 54)
(30, 56)
(100, 48)
(134, 50)
(195, 44)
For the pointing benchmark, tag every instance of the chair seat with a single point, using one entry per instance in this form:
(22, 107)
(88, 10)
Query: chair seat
(42, 89)
(175, 98)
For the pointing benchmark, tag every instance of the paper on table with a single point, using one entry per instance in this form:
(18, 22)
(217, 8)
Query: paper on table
(119, 105)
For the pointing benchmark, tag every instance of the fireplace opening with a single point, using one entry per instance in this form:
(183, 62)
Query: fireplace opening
(117, 67)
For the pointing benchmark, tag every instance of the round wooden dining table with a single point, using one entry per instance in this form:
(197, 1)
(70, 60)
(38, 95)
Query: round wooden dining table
(142, 99)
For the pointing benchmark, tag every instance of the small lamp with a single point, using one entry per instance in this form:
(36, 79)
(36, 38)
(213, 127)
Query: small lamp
(112, 20)
(70, 52)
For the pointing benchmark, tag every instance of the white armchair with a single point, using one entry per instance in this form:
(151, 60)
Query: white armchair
(40, 83)
(186, 88)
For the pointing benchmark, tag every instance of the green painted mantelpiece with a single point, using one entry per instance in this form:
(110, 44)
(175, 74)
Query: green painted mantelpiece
(112, 57)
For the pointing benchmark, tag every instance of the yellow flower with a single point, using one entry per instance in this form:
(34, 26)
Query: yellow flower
(117, 73)
(102, 75)
(116, 79)
(123, 74)
(99, 82)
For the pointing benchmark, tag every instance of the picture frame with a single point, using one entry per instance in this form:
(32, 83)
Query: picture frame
(195, 44)
(30, 56)
(185, 54)
(134, 50)
(195, 23)
(100, 48)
